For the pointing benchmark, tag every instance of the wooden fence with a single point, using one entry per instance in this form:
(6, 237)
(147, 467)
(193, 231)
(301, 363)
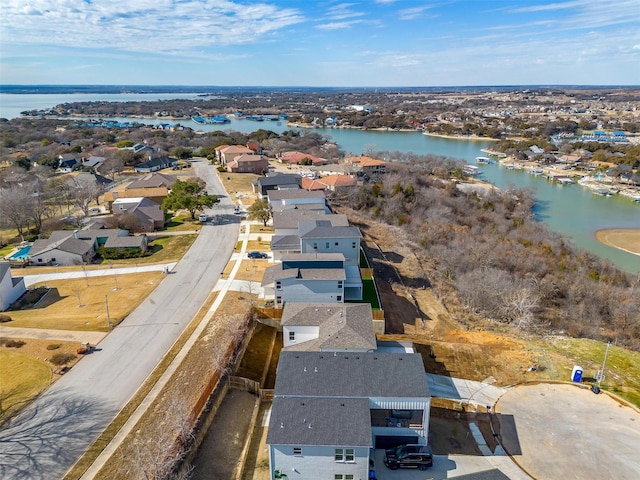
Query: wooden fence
(245, 384)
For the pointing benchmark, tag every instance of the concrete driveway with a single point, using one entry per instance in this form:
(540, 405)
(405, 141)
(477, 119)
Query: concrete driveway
(563, 431)
(46, 438)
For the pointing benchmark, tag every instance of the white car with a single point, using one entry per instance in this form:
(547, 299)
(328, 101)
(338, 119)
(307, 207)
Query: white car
(203, 217)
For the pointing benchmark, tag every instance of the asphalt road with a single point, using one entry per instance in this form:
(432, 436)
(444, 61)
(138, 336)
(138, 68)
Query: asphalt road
(47, 438)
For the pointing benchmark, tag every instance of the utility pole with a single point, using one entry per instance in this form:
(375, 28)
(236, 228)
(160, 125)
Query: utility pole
(106, 301)
(604, 362)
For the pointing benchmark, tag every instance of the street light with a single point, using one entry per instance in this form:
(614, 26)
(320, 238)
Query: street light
(106, 301)
(601, 372)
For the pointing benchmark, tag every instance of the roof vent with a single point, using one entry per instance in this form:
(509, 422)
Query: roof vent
(315, 369)
(281, 424)
(304, 369)
(309, 425)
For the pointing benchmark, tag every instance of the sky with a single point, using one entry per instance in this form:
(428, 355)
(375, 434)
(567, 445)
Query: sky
(368, 43)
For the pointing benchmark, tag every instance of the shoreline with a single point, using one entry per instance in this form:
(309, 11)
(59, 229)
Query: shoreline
(625, 239)
(472, 138)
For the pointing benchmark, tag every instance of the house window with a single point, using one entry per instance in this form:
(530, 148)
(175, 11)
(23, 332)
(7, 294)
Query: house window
(345, 455)
(278, 285)
(279, 300)
(353, 244)
(39, 260)
(292, 336)
(339, 298)
(53, 259)
(336, 244)
(297, 451)
(339, 283)
(327, 245)
(315, 245)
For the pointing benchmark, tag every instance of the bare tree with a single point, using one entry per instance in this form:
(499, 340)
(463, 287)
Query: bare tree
(15, 207)
(84, 192)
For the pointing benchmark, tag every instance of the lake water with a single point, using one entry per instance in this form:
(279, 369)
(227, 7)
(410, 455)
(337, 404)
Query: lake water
(571, 210)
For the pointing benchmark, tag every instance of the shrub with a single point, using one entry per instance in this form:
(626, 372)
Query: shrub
(53, 346)
(4, 318)
(3, 341)
(222, 169)
(62, 358)
(15, 343)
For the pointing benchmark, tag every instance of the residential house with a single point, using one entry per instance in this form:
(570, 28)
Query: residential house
(327, 327)
(247, 163)
(64, 247)
(330, 409)
(227, 153)
(276, 181)
(332, 183)
(283, 198)
(306, 278)
(93, 162)
(11, 288)
(300, 158)
(154, 164)
(367, 166)
(67, 162)
(154, 186)
(286, 238)
(321, 236)
(148, 214)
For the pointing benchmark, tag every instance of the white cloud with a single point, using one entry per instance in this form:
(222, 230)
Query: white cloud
(337, 25)
(412, 13)
(343, 11)
(145, 26)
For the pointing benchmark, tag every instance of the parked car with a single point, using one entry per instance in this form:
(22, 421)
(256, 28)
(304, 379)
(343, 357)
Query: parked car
(236, 210)
(409, 456)
(257, 255)
(203, 217)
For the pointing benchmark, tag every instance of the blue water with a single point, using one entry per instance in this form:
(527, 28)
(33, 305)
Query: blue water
(21, 254)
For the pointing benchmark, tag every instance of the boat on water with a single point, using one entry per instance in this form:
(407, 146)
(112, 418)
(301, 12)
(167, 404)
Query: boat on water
(564, 180)
(536, 171)
(471, 170)
(483, 160)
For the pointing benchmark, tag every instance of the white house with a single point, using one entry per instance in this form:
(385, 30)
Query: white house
(11, 288)
(330, 409)
(283, 198)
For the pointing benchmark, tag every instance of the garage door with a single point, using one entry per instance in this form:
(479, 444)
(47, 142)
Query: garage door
(394, 441)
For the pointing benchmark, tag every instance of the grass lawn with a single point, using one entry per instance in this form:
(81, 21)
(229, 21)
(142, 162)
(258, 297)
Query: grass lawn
(6, 250)
(21, 378)
(181, 223)
(259, 228)
(238, 183)
(74, 305)
(622, 374)
(164, 249)
(369, 293)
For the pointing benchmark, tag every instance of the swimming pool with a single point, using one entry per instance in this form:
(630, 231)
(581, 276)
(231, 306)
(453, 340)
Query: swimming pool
(21, 254)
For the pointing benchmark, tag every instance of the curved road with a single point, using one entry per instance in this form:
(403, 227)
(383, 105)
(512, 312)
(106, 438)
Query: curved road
(47, 438)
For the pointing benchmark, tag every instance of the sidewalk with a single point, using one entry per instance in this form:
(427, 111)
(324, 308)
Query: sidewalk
(30, 280)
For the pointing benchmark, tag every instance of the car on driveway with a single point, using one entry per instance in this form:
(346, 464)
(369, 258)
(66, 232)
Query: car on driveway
(409, 456)
(203, 217)
(255, 255)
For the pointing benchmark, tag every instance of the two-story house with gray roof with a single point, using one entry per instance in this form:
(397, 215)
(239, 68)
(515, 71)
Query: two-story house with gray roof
(327, 327)
(330, 409)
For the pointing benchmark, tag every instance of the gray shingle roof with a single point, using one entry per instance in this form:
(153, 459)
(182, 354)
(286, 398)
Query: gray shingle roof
(323, 229)
(340, 422)
(369, 374)
(152, 180)
(342, 326)
(291, 218)
(290, 194)
(285, 242)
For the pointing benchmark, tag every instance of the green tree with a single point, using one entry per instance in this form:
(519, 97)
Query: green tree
(260, 210)
(181, 153)
(189, 195)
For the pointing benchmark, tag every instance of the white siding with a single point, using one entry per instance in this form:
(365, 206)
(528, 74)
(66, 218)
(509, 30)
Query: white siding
(313, 291)
(301, 333)
(9, 293)
(61, 258)
(317, 462)
(328, 245)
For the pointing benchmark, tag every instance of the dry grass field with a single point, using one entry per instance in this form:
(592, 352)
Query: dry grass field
(623, 239)
(80, 304)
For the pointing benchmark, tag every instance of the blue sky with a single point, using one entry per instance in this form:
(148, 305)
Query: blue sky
(320, 43)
